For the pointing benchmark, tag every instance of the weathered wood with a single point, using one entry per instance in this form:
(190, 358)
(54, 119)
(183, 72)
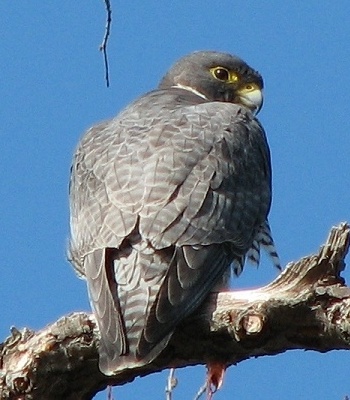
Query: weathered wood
(306, 307)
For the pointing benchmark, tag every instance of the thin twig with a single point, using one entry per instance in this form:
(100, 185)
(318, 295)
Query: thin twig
(171, 384)
(110, 393)
(103, 46)
(201, 391)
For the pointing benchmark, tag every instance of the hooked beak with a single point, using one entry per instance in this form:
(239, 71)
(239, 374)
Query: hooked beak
(253, 99)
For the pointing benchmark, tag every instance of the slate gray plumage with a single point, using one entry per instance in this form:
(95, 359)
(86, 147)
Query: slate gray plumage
(165, 198)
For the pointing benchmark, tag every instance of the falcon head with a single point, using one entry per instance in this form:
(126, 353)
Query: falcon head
(217, 76)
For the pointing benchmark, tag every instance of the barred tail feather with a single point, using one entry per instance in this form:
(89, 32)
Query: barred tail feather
(263, 238)
(237, 265)
(253, 254)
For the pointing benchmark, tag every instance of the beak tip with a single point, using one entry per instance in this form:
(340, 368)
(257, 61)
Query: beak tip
(253, 100)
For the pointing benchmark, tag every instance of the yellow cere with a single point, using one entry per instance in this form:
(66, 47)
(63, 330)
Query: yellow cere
(249, 87)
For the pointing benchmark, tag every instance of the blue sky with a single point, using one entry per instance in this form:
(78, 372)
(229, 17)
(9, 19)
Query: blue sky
(52, 89)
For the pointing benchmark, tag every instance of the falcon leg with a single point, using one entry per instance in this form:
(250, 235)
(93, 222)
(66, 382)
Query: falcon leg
(215, 377)
(213, 382)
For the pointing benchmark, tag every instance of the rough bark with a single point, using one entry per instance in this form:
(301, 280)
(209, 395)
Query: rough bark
(306, 307)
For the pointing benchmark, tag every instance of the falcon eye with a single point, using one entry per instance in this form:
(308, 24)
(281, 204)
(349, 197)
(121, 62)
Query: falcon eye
(220, 73)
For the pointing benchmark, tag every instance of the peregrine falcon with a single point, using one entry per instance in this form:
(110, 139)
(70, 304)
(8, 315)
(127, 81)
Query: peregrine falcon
(166, 198)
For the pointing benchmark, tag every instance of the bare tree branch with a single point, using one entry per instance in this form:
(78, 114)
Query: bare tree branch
(103, 46)
(306, 307)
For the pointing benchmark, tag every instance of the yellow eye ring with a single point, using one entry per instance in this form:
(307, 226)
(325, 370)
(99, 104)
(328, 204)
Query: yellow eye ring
(220, 73)
(224, 75)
